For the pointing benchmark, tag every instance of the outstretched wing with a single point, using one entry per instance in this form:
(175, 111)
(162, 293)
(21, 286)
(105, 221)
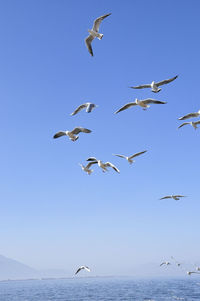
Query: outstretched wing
(141, 87)
(185, 123)
(79, 109)
(162, 263)
(91, 163)
(152, 101)
(121, 156)
(112, 165)
(78, 130)
(98, 21)
(59, 134)
(166, 81)
(197, 122)
(166, 197)
(137, 154)
(78, 270)
(92, 159)
(127, 106)
(188, 116)
(179, 196)
(88, 42)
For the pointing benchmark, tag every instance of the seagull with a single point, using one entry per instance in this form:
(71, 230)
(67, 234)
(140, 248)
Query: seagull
(129, 159)
(83, 267)
(88, 105)
(103, 165)
(190, 115)
(154, 86)
(189, 273)
(73, 135)
(177, 263)
(165, 262)
(87, 167)
(192, 123)
(197, 268)
(175, 197)
(94, 33)
(142, 103)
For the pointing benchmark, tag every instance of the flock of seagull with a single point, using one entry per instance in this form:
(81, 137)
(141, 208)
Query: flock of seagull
(178, 264)
(144, 104)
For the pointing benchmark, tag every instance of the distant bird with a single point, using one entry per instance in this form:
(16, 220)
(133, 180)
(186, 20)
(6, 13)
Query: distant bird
(192, 123)
(189, 273)
(175, 197)
(103, 165)
(142, 103)
(129, 159)
(94, 33)
(87, 167)
(165, 262)
(154, 86)
(88, 105)
(177, 263)
(73, 135)
(190, 115)
(197, 268)
(83, 267)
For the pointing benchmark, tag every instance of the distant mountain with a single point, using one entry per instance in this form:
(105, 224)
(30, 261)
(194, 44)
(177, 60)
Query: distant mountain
(12, 269)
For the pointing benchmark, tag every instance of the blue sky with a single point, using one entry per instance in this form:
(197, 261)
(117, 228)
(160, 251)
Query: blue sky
(52, 213)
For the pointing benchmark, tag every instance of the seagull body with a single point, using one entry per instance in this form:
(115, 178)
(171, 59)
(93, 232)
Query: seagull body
(83, 267)
(88, 106)
(190, 115)
(94, 33)
(103, 165)
(87, 167)
(192, 123)
(129, 159)
(142, 103)
(175, 197)
(155, 86)
(165, 262)
(73, 135)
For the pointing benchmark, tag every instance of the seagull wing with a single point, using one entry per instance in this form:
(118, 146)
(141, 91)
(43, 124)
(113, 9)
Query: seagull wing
(88, 42)
(185, 123)
(166, 81)
(121, 156)
(87, 268)
(59, 134)
(91, 163)
(90, 107)
(137, 154)
(92, 159)
(179, 196)
(79, 109)
(78, 270)
(127, 106)
(166, 197)
(97, 22)
(78, 130)
(197, 122)
(112, 165)
(162, 263)
(141, 87)
(153, 101)
(191, 115)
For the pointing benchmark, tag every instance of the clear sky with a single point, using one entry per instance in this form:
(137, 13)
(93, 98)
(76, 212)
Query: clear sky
(53, 215)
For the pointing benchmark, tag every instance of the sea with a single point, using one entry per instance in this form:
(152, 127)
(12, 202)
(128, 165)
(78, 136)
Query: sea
(101, 289)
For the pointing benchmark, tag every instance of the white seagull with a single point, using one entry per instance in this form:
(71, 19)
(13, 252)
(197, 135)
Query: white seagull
(87, 167)
(175, 197)
(73, 135)
(88, 106)
(190, 115)
(192, 123)
(83, 267)
(142, 103)
(129, 159)
(154, 86)
(94, 33)
(103, 165)
(165, 262)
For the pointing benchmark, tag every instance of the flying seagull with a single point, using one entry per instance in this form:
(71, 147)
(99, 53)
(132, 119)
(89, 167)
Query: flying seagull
(142, 103)
(189, 273)
(88, 105)
(103, 165)
(165, 262)
(175, 197)
(190, 115)
(83, 267)
(87, 167)
(94, 33)
(129, 159)
(154, 86)
(192, 123)
(177, 263)
(73, 135)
